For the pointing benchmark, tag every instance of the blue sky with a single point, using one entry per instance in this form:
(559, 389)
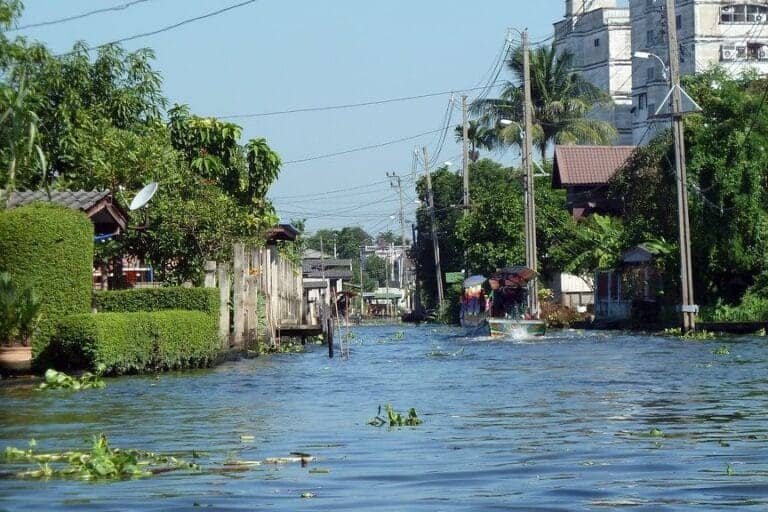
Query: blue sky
(275, 55)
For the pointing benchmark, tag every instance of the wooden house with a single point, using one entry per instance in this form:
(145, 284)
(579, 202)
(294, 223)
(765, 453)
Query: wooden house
(584, 172)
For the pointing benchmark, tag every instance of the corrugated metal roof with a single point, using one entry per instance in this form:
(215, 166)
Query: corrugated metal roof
(587, 165)
(75, 199)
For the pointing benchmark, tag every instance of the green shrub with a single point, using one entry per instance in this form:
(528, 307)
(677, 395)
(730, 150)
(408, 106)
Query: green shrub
(753, 308)
(158, 299)
(136, 342)
(49, 248)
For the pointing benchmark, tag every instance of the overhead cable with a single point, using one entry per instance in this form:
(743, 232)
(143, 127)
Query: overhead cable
(350, 105)
(361, 148)
(120, 7)
(169, 27)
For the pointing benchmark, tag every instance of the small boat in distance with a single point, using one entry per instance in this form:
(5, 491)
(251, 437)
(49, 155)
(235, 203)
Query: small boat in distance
(498, 305)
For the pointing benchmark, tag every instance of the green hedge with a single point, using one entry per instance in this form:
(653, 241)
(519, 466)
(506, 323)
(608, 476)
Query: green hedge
(158, 299)
(137, 342)
(50, 248)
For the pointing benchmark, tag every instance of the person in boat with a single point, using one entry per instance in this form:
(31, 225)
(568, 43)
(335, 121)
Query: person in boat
(495, 299)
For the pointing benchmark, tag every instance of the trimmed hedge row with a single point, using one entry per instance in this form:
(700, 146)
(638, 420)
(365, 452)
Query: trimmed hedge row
(50, 248)
(158, 299)
(137, 342)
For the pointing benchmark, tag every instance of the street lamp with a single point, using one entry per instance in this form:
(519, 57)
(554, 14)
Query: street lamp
(648, 55)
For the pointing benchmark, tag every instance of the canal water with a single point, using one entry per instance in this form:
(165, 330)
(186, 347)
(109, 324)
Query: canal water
(562, 423)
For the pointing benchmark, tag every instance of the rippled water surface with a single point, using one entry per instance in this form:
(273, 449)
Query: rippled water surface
(557, 424)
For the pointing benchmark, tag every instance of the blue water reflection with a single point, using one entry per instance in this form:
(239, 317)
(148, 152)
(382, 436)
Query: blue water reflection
(561, 423)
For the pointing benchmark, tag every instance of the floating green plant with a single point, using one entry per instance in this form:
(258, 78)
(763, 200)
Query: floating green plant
(655, 432)
(395, 419)
(692, 335)
(102, 462)
(60, 380)
(729, 469)
(399, 335)
(722, 350)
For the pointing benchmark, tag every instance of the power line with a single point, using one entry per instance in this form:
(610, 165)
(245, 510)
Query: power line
(120, 7)
(166, 29)
(332, 192)
(361, 148)
(349, 105)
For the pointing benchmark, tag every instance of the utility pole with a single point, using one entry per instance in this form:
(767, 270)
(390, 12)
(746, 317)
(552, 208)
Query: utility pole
(361, 284)
(435, 244)
(530, 201)
(687, 306)
(417, 290)
(465, 154)
(396, 182)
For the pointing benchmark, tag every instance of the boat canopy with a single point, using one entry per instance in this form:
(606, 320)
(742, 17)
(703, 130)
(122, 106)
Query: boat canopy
(473, 281)
(518, 274)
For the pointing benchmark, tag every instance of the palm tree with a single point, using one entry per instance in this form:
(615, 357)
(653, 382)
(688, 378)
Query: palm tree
(562, 100)
(479, 137)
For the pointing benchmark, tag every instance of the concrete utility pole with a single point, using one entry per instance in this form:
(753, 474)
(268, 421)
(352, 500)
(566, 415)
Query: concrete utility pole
(688, 308)
(530, 202)
(465, 153)
(396, 182)
(435, 244)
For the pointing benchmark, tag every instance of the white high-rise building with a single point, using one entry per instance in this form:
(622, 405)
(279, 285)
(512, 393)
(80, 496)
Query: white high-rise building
(732, 34)
(598, 34)
(604, 36)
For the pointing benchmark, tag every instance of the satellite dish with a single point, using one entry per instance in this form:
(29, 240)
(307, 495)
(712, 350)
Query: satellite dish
(143, 197)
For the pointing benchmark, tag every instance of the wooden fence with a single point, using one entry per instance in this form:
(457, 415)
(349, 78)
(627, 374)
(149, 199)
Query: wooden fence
(265, 291)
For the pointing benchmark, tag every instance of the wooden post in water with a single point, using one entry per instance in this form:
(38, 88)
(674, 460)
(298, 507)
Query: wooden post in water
(239, 295)
(224, 296)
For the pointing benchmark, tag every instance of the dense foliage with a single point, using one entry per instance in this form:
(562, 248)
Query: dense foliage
(136, 342)
(49, 248)
(19, 312)
(727, 178)
(157, 299)
(491, 233)
(96, 119)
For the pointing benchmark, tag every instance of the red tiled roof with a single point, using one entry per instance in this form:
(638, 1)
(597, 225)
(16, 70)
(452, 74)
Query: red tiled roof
(587, 165)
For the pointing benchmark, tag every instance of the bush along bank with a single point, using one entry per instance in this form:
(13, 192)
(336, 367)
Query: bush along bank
(158, 299)
(49, 248)
(139, 342)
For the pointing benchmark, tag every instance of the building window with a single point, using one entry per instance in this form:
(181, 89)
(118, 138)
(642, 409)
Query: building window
(744, 13)
(642, 101)
(679, 21)
(597, 42)
(650, 74)
(650, 38)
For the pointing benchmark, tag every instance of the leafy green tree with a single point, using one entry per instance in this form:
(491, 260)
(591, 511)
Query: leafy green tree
(728, 203)
(562, 101)
(376, 269)
(100, 124)
(447, 191)
(492, 231)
